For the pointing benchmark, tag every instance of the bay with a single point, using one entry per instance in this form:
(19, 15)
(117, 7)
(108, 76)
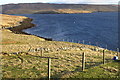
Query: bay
(99, 29)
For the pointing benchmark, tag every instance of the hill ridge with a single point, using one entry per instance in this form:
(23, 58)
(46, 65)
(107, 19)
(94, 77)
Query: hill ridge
(31, 8)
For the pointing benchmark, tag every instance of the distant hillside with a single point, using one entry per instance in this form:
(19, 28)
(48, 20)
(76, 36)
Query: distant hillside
(31, 8)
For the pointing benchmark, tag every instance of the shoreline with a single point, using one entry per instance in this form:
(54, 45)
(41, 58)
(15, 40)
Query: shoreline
(25, 24)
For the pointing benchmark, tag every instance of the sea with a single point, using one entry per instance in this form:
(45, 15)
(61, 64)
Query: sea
(98, 29)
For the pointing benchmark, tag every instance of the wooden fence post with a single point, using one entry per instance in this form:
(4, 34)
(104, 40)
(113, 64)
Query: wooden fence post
(72, 40)
(83, 41)
(103, 56)
(106, 46)
(41, 52)
(49, 67)
(83, 61)
(118, 52)
(79, 41)
(49, 64)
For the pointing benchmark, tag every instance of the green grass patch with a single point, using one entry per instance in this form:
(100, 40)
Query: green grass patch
(108, 70)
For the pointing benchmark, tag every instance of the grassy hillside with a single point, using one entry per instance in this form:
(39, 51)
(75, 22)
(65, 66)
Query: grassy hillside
(22, 55)
(108, 70)
(31, 8)
(68, 65)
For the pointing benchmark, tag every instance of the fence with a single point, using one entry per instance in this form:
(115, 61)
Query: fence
(66, 60)
(90, 43)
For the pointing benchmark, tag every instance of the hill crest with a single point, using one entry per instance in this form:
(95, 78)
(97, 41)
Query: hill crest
(31, 8)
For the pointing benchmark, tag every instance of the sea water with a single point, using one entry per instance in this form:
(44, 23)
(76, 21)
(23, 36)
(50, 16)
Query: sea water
(99, 29)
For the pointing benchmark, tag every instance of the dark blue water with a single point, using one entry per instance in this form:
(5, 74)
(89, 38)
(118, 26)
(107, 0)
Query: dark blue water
(100, 29)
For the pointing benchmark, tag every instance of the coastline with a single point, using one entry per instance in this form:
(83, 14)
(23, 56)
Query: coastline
(21, 59)
(25, 24)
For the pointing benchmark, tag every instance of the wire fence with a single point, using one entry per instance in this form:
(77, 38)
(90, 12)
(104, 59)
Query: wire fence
(70, 60)
(98, 44)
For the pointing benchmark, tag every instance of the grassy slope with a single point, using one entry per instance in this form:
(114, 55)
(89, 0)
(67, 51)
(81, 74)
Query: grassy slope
(67, 66)
(10, 21)
(9, 37)
(109, 70)
(25, 65)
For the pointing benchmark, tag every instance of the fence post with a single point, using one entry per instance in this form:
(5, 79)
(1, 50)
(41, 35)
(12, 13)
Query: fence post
(83, 41)
(83, 61)
(49, 67)
(72, 40)
(118, 52)
(79, 41)
(103, 56)
(106, 47)
(41, 52)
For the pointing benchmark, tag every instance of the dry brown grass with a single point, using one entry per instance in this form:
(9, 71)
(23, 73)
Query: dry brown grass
(69, 62)
(26, 65)
(72, 11)
(8, 36)
(10, 21)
